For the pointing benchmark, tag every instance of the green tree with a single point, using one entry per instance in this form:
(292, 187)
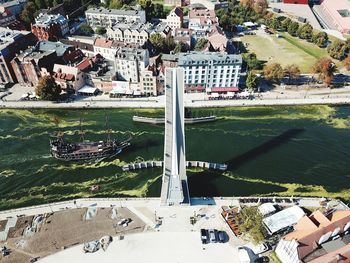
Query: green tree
(100, 30)
(338, 50)
(28, 12)
(86, 29)
(200, 44)
(305, 32)
(285, 24)
(48, 89)
(276, 23)
(116, 4)
(293, 28)
(320, 39)
(181, 47)
(169, 45)
(250, 223)
(157, 41)
(325, 68)
(251, 81)
(273, 72)
(292, 72)
(40, 4)
(252, 61)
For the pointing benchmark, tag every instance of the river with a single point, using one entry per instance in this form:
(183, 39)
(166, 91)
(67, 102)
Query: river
(285, 151)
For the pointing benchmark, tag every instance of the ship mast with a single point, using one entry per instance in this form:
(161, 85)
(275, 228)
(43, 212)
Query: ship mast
(108, 129)
(81, 130)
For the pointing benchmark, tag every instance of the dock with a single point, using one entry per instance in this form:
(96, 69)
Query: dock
(162, 120)
(160, 164)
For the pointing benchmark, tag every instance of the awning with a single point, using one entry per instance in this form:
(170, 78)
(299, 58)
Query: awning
(195, 88)
(225, 89)
(88, 90)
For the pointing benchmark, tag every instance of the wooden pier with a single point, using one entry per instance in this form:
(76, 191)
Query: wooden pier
(189, 164)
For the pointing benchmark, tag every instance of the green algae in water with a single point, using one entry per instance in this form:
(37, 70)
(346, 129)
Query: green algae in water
(313, 162)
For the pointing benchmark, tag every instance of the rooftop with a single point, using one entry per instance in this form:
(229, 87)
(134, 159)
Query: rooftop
(120, 12)
(47, 20)
(205, 57)
(59, 47)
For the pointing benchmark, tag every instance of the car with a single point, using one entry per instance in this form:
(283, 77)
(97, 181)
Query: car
(212, 235)
(259, 248)
(222, 236)
(243, 255)
(263, 259)
(204, 236)
(124, 222)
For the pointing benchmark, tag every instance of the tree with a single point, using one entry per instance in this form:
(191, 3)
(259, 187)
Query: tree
(48, 89)
(347, 63)
(305, 32)
(27, 14)
(100, 30)
(326, 69)
(292, 72)
(86, 29)
(276, 23)
(251, 81)
(200, 44)
(293, 28)
(273, 72)
(40, 4)
(285, 24)
(252, 61)
(181, 47)
(320, 39)
(260, 6)
(250, 223)
(157, 41)
(247, 3)
(169, 45)
(116, 4)
(338, 50)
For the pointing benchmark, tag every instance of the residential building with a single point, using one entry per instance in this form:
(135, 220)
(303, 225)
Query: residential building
(202, 20)
(130, 62)
(70, 78)
(173, 2)
(210, 4)
(210, 71)
(175, 18)
(148, 82)
(136, 33)
(32, 64)
(50, 27)
(318, 238)
(335, 14)
(15, 6)
(66, 54)
(111, 17)
(6, 18)
(183, 35)
(86, 48)
(103, 47)
(11, 43)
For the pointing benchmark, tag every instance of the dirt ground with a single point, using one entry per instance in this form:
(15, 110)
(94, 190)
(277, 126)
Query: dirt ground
(64, 229)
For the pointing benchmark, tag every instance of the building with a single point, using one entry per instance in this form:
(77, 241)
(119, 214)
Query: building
(111, 17)
(335, 14)
(302, 2)
(175, 18)
(103, 47)
(12, 42)
(148, 82)
(210, 4)
(183, 35)
(70, 78)
(50, 27)
(130, 62)
(173, 2)
(136, 33)
(32, 64)
(318, 238)
(202, 20)
(66, 54)
(218, 40)
(210, 71)
(15, 6)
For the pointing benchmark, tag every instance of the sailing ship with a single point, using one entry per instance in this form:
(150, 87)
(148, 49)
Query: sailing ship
(64, 150)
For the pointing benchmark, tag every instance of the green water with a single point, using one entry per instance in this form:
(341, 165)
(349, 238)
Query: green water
(270, 151)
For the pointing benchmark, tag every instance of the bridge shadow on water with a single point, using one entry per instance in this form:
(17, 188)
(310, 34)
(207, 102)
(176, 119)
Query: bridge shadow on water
(262, 149)
(211, 183)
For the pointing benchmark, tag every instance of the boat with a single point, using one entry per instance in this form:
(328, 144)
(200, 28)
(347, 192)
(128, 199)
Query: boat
(64, 150)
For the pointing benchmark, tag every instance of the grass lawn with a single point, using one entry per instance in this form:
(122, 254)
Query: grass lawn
(286, 50)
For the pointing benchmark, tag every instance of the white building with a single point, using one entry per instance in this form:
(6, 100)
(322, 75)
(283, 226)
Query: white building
(175, 18)
(210, 70)
(130, 62)
(110, 17)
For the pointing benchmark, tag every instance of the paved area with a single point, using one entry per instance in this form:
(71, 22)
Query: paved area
(171, 247)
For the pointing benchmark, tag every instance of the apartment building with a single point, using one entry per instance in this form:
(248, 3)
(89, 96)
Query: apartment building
(130, 62)
(210, 71)
(12, 42)
(110, 17)
(202, 20)
(50, 27)
(136, 33)
(175, 18)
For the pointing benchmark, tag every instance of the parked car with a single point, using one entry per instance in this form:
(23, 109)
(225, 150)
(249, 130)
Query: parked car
(124, 222)
(222, 236)
(204, 236)
(258, 249)
(213, 235)
(263, 259)
(243, 255)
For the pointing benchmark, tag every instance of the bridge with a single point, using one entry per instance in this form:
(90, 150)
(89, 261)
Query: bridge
(174, 182)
